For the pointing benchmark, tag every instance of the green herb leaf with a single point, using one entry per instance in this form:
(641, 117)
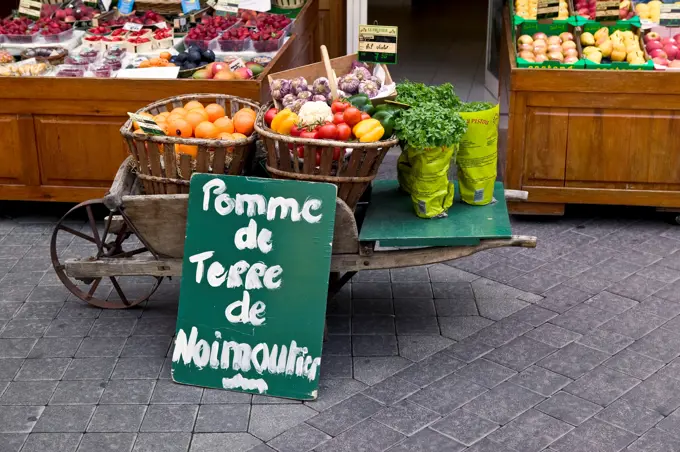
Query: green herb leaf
(474, 106)
(413, 93)
(429, 125)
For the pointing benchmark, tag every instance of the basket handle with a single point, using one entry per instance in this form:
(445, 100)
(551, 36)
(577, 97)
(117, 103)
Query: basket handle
(330, 74)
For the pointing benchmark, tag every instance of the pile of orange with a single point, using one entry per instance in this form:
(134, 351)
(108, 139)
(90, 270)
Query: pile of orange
(195, 120)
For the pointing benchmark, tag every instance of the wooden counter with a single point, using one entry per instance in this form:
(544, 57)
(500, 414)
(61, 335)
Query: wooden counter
(60, 138)
(591, 137)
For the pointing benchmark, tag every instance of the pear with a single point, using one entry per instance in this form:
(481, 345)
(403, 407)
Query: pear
(587, 39)
(601, 33)
(618, 55)
(637, 61)
(590, 49)
(606, 48)
(595, 57)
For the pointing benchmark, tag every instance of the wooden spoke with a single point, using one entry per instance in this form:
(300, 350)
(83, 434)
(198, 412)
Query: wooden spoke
(77, 233)
(93, 288)
(120, 291)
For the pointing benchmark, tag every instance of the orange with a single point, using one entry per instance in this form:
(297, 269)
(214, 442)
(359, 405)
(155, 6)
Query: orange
(248, 110)
(146, 115)
(186, 149)
(166, 55)
(193, 104)
(144, 64)
(224, 124)
(239, 136)
(206, 129)
(163, 125)
(161, 118)
(180, 128)
(171, 118)
(244, 123)
(195, 117)
(179, 111)
(225, 136)
(215, 112)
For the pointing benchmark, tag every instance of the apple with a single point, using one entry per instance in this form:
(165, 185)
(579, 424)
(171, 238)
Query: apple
(528, 47)
(571, 52)
(652, 36)
(571, 59)
(219, 66)
(540, 44)
(568, 45)
(243, 73)
(556, 56)
(525, 39)
(554, 40)
(671, 51)
(665, 41)
(541, 57)
(541, 36)
(202, 74)
(566, 36)
(676, 38)
(653, 45)
(554, 48)
(660, 61)
(224, 74)
(525, 54)
(658, 53)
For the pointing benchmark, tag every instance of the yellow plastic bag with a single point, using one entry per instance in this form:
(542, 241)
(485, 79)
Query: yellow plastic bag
(478, 156)
(423, 173)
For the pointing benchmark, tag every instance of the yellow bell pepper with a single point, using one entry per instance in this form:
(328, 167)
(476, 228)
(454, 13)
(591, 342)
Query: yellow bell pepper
(284, 121)
(368, 130)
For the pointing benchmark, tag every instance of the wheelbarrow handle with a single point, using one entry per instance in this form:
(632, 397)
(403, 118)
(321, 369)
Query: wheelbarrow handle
(516, 195)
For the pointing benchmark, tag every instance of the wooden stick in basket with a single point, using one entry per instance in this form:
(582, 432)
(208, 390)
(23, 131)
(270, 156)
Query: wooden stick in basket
(329, 72)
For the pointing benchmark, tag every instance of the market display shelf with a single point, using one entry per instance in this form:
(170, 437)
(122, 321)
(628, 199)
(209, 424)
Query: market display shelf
(391, 222)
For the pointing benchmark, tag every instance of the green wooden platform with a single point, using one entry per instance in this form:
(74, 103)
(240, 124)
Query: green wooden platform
(391, 221)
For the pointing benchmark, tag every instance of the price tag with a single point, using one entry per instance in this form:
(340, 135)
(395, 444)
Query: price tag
(131, 26)
(161, 25)
(147, 125)
(126, 6)
(190, 5)
(106, 4)
(238, 63)
(227, 6)
(256, 5)
(378, 44)
(30, 8)
(670, 16)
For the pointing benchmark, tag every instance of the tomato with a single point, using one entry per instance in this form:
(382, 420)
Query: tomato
(318, 158)
(336, 153)
(352, 116)
(269, 116)
(301, 151)
(339, 106)
(337, 118)
(295, 131)
(344, 132)
(365, 116)
(328, 132)
(309, 134)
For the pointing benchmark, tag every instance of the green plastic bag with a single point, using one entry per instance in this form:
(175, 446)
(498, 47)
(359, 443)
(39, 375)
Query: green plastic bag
(478, 156)
(423, 173)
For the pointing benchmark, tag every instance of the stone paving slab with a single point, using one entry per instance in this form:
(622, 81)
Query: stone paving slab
(572, 346)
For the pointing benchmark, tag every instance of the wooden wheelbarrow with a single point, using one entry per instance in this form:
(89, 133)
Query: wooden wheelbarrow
(386, 235)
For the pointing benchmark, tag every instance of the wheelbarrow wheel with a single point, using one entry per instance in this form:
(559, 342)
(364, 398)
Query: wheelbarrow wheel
(108, 245)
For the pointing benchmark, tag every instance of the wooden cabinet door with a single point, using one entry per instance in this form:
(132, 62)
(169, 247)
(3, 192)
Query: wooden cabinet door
(65, 149)
(545, 145)
(17, 153)
(619, 148)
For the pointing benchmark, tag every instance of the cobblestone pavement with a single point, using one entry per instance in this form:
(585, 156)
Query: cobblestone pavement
(569, 347)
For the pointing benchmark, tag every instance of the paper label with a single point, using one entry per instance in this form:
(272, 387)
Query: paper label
(106, 4)
(256, 5)
(236, 64)
(670, 16)
(378, 44)
(161, 25)
(126, 6)
(227, 6)
(147, 125)
(131, 26)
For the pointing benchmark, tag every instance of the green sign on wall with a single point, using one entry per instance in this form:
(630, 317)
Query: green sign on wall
(254, 285)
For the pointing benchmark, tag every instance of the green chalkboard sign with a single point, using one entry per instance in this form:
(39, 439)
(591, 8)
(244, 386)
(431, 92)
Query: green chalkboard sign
(254, 285)
(378, 44)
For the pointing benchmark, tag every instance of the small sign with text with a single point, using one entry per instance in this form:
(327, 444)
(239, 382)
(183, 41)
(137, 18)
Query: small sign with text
(378, 44)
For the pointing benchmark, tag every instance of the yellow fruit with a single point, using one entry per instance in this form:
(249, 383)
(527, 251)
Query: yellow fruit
(606, 48)
(590, 49)
(601, 33)
(618, 55)
(595, 57)
(193, 104)
(587, 39)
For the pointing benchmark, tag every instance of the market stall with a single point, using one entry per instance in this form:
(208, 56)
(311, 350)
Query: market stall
(600, 128)
(61, 138)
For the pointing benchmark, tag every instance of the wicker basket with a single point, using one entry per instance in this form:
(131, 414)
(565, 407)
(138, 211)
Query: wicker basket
(288, 4)
(167, 172)
(53, 60)
(352, 171)
(163, 7)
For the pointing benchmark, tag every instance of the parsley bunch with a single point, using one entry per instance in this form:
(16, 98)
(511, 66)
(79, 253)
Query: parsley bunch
(412, 93)
(430, 125)
(474, 106)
